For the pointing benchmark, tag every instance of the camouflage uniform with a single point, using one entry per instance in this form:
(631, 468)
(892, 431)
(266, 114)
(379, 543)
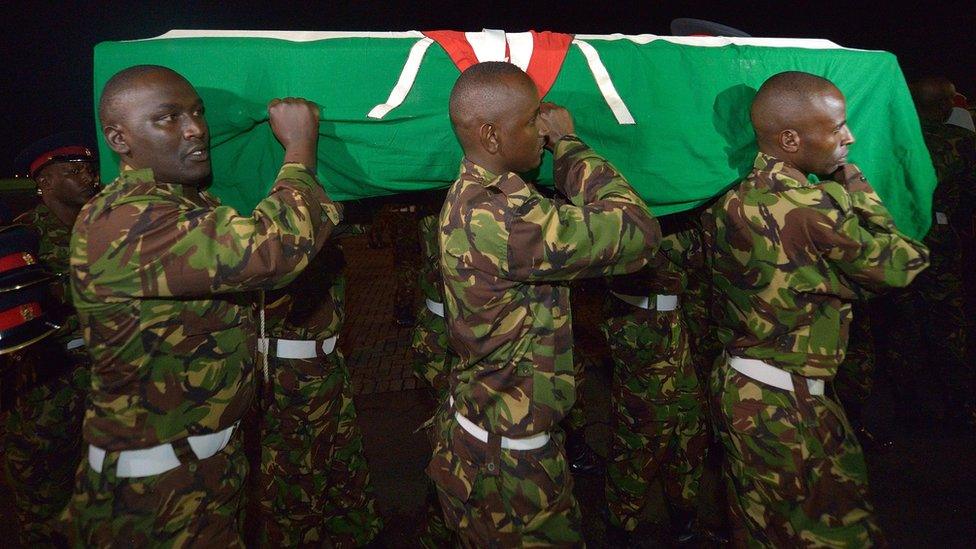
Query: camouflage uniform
(789, 257)
(406, 259)
(314, 478)
(504, 251)
(932, 328)
(657, 406)
(432, 350)
(43, 431)
(170, 359)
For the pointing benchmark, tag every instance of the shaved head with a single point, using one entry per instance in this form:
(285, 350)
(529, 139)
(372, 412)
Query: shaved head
(933, 97)
(490, 103)
(802, 118)
(122, 82)
(784, 99)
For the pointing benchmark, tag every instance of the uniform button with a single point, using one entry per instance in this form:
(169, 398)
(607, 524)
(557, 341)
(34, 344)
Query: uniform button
(491, 467)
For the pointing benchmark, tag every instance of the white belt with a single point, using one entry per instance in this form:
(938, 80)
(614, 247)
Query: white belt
(663, 302)
(298, 348)
(527, 443)
(764, 372)
(435, 307)
(159, 459)
(75, 343)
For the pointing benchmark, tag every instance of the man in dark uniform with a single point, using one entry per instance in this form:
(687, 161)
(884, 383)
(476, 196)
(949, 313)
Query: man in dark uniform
(43, 431)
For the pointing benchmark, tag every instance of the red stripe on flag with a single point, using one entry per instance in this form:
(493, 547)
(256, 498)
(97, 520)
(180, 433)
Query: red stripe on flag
(548, 53)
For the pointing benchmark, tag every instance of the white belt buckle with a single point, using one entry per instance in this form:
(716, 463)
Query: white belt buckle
(666, 302)
(75, 343)
(435, 307)
(302, 348)
(764, 372)
(533, 442)
(147, 462)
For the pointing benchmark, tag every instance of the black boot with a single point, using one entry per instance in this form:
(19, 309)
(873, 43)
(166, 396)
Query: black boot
(582, 459)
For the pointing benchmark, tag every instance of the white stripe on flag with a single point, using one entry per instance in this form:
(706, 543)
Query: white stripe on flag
(407, 77)
(291, 36)
(719, 41)
(520, 46)
(602, 77)
(488, 45)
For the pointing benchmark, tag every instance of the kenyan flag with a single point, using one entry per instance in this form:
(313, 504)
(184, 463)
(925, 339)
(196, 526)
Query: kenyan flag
(671, 113)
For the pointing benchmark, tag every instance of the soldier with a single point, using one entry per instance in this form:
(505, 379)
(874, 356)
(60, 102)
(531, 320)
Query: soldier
(789, 257)
(935, 303)
(43, 431)
(314, 477)
(157, 268)
(433, 355)
(657, 406)
(501, 474)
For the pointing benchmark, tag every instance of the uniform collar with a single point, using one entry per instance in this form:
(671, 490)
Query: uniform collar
(478, 173)
(779, 167)
(130, 175)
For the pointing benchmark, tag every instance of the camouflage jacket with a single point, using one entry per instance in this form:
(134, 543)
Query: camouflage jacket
(504, 250)
(667, 273)
(430, 273)
(953, 152)
(171, 358)
(54, 252)
(311, 307)
(789, 256)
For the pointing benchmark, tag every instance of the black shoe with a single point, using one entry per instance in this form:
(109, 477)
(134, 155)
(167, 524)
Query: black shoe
(582, 459)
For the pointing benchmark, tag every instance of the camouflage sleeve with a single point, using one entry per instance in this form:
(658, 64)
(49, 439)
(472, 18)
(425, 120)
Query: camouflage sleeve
(170, 250)
(864, 242)
(606, 230)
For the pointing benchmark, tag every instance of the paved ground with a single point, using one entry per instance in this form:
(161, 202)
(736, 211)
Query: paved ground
(925, 488)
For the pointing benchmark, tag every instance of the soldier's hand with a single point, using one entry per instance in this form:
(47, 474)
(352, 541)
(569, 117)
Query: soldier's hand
(295, 122)
(555, 122)
(851, 177)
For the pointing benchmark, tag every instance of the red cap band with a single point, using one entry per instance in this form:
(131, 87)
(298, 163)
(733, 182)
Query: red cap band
(15, 316)
(16, 261)
(72, 150)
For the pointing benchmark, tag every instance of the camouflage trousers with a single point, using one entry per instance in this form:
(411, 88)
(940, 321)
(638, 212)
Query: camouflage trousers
(433, 357)
(406, 256)
(198, 504)
(795, 471)
(42, 449)
(495, 497)
(657, 417)
(314, 480)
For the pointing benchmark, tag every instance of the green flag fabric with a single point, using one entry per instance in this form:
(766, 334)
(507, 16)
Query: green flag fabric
(675, 120)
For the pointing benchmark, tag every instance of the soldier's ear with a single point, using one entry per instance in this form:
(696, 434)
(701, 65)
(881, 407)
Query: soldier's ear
(789, 140)
(488, 137)
(115, 137)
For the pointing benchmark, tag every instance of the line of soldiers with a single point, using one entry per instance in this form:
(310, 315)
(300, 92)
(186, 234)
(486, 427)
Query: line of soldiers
(173, 293)
(751, 295)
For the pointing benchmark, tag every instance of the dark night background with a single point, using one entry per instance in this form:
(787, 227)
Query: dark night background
(47, 47)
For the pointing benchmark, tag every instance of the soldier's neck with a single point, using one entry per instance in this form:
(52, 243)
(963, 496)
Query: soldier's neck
(65, 213)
